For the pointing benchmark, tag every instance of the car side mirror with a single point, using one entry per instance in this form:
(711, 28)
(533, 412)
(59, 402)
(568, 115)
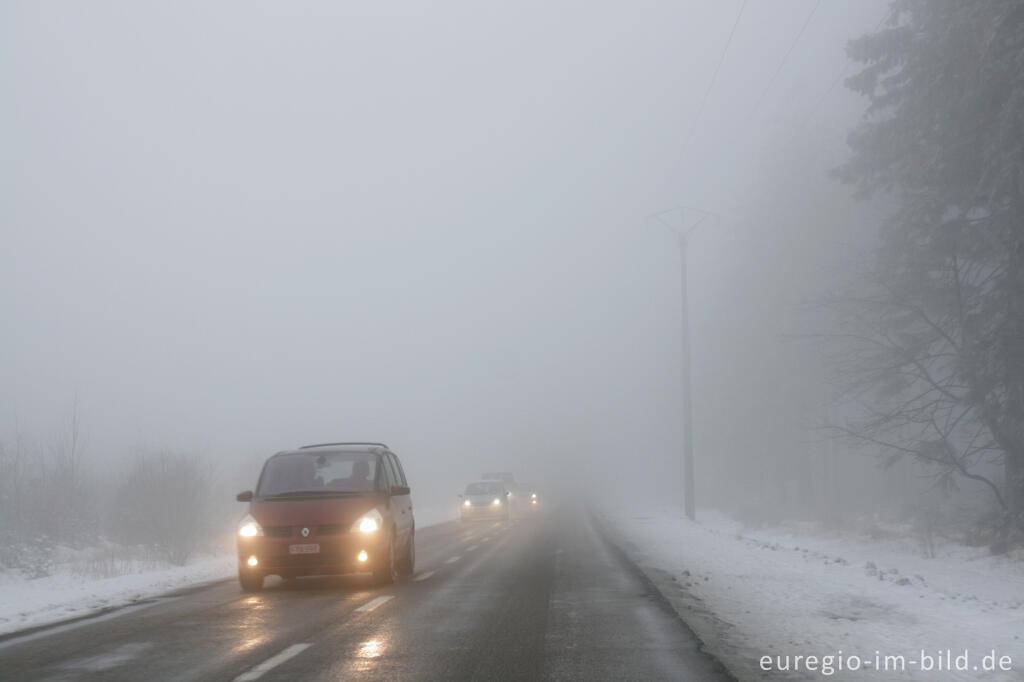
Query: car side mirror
(399, 490)
(244, 496)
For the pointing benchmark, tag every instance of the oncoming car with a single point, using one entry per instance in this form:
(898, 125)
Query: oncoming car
(532, 499)
(327, 509)
(484, 500)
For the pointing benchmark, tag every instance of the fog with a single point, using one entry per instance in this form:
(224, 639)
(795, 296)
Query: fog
(564, 240)
(230, 230)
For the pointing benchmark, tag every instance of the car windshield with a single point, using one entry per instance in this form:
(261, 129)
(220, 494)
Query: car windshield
(312, 473)
(483, 489)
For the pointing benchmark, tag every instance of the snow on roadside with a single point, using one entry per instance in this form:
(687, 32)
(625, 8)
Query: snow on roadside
(72, 592)
(774, 592)
(29, 603)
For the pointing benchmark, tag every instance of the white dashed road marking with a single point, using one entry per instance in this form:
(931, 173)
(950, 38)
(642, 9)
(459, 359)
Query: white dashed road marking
(424, 576)
(471, 548)
(374, 603)
(453, 559)
(272, 662)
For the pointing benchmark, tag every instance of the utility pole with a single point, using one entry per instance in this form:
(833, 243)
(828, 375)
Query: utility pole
(688, 487)
(682, 234)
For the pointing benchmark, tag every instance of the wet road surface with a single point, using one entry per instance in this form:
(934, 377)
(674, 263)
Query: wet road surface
(542, 598)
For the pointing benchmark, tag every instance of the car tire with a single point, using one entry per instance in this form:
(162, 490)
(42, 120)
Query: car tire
(407, 564)
(384, 571)
(250, 582)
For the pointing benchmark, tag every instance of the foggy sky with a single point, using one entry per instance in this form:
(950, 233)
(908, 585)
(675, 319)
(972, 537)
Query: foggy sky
(237, 228)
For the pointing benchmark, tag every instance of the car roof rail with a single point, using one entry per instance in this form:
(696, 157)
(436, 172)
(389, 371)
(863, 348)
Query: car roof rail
(321, 445)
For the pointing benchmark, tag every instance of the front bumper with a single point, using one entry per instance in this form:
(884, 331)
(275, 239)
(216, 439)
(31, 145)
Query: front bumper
(489, 511)
(337, 554)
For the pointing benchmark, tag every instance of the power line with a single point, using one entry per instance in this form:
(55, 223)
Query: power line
(714, 77)
(785, 57)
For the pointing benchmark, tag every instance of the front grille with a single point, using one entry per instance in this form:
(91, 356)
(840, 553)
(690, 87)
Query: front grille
(278, 531)
(331, 529)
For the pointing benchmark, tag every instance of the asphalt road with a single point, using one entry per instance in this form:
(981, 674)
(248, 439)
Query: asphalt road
(544, 598)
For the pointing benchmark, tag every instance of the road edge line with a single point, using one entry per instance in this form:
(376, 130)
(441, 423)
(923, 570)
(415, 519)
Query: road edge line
(658, 587)
(108, 611)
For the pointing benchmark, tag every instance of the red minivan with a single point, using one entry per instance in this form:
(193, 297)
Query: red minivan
(328, 509)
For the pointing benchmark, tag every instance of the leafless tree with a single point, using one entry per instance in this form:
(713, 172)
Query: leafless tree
(164, 503)
(911, 366)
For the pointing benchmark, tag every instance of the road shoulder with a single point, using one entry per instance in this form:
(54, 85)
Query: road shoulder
(712, 632)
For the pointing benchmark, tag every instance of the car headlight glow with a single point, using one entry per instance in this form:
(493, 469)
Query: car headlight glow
(497, 501)
(533, 495)
(466, 503)
(370, 522)
(249, 528)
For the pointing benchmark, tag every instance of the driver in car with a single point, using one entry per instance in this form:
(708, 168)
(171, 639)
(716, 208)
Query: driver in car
(360, 478)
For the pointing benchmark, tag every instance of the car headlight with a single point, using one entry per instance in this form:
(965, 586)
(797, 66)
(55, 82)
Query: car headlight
(466, 503)
(249, 528)
(533, 495)
(497, 501)
(369, 522)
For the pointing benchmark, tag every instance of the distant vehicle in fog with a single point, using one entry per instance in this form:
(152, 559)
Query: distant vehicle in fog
(516, 494)
(485, 500)
(530, 498)
(328, 509)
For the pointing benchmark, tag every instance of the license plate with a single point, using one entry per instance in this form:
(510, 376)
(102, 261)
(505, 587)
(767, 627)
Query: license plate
(304, 549)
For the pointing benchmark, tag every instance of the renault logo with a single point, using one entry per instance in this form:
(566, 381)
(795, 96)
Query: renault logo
(305, 532)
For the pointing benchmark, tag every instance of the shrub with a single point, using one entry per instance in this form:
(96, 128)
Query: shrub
(164, 504)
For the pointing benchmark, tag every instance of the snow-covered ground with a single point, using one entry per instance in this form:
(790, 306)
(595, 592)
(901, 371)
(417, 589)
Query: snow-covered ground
(88, 581)
(793, 590)
(68, 593)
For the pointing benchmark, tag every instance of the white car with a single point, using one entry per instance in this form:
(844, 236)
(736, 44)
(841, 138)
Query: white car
(485, 500)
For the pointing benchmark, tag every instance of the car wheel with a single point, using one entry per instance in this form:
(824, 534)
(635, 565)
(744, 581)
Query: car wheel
(250, 582)
(408, 563)
(384, 572)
